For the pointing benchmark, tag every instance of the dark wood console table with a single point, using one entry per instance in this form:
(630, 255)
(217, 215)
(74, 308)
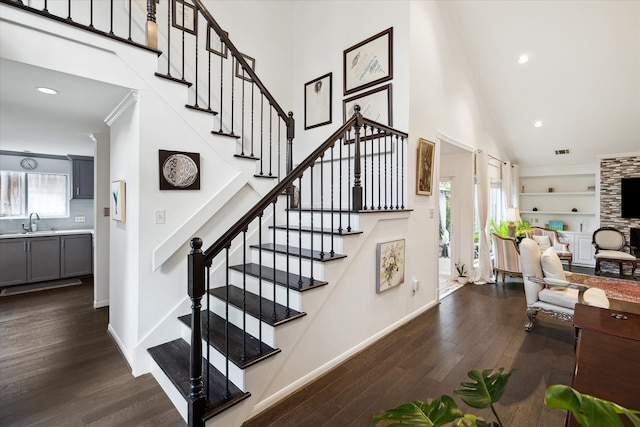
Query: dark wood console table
(607, 348)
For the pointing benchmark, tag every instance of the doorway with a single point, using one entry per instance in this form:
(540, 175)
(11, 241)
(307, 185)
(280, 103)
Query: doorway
(446, 238)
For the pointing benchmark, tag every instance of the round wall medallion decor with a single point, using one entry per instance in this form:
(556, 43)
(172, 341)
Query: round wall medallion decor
(180, 170)
(28, 163)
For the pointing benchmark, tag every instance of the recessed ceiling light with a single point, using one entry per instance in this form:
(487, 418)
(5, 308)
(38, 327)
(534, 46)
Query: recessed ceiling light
(522, 59)
(48, 90)
(538, 124)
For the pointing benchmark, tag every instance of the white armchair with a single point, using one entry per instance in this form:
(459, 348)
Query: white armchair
(610, 245)
(546, 238)
(546, 287)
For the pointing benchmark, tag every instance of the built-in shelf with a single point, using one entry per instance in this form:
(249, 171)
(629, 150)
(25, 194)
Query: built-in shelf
(557, 213)
(558, 193)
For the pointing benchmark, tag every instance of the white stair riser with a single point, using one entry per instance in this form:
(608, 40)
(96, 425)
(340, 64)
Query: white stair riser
(253, 286)
(252, 324)
(172, 392)
(326, 239)
(294, 220)
(294, 264)
(218, 360)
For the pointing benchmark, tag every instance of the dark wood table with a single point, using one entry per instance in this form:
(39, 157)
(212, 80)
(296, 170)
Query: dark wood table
(607, 355)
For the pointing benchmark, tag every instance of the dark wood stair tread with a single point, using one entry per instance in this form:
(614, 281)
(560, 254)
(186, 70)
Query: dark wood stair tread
(255, 350)
(254, 302)
(246, 156)
(174, 79)
(304, 253)
(265, 175)
(316, 230)
(281, 277)
(222, 133)
(173, 358)
(201, 109)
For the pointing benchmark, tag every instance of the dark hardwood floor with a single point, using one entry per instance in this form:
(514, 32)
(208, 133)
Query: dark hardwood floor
(59, 365)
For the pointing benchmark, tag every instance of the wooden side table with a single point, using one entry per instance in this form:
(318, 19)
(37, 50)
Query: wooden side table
(607, 345)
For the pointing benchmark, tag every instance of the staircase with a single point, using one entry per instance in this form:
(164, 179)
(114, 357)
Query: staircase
(253, 280)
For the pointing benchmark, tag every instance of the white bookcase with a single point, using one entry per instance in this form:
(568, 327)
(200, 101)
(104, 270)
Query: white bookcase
(567, 198)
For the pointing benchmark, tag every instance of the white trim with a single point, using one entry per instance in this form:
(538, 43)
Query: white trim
(100, 304)
(445, 138)
(120, 345)
(191, 225)
(316, 373)
(132, 97)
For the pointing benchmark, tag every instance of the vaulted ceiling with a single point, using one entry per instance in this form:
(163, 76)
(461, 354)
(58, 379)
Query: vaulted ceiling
(582, 79)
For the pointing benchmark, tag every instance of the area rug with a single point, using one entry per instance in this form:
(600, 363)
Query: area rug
(620, 289)
(34, 287)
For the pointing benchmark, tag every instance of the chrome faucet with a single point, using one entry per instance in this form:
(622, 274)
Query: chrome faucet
(31, 223)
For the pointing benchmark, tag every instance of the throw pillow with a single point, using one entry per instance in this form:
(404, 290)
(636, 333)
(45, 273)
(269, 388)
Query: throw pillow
(543, 242)
(551, 264)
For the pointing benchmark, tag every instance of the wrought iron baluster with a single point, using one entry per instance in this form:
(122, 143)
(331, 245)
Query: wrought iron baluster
(221, 112)
(385, 173)
(312, 212)
(233, 92)
(260, 280)
(253, 85)
(332, 199)
(197, 83)
(364, 174)
(379, 175)
(270, 139)
(243, 356)
(402, 177)
(226, 323)
(69, 10)
(340, 192)
(208, 328)
(242, 118)
(397, 151)
(91, 16)
(322, 205)
(130, 18)
(261, 133)
(349, 189)
(300, 231)
(168, 38)
(274, 315)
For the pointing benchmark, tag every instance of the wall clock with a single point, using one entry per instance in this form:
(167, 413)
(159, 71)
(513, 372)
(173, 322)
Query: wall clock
(28, 163)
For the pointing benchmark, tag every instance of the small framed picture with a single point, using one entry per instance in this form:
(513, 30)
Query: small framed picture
(214, 44)
(184, 17)
(374, 105)
(369, 62)
(240, 72)
(118, 201)
(317, 101)
(390, 265)
(424, 168)
(179, 170)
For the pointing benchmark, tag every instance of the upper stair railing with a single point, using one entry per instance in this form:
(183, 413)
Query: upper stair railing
(195, 51)
(359, 168)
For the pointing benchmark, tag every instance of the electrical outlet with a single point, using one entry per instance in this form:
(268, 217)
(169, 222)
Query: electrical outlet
(81, 219)
(415, 285)
(158, 216)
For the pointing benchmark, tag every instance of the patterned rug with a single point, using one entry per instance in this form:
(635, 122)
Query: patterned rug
(625, 290)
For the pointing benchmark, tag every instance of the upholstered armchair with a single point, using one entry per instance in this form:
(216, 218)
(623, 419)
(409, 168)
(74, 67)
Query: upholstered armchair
(611, 246)
(547, 288)
(507, 256)
(546, 238)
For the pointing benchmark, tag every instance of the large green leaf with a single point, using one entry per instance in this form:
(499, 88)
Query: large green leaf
(486, 389)
(419, 413)
(588, 411)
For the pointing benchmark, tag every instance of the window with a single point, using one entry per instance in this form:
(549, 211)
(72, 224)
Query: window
(44, 193)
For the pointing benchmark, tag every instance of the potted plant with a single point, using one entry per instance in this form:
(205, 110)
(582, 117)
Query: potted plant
(462, 273)
(484, 391)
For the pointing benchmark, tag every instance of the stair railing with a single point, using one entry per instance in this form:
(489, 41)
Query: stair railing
(359, 168)
(196, 52)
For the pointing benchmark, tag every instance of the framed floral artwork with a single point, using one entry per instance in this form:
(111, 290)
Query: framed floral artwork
(390, 265)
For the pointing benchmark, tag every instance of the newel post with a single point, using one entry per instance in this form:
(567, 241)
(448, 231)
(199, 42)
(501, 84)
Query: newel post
(196, 273)
(357, 184)
(152, 26)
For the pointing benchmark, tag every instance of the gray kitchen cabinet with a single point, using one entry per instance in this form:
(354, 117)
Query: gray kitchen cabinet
(13, 262)
(76, 255)
(43, 258)
(82, 167)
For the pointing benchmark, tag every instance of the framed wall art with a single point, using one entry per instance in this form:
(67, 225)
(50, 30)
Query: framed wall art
(317, 101)
(184, 17)
(390, 265)
(240, 72)
(118, 201)
(369, 62)
(214, 44)
(179, 170)
(374, 105)
(424, 170)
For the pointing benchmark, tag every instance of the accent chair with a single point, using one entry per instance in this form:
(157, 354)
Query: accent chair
(547, 289)
(610, 245)
(545, 238)
(507, 256)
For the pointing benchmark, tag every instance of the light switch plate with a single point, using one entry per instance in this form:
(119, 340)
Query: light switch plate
(158, 216)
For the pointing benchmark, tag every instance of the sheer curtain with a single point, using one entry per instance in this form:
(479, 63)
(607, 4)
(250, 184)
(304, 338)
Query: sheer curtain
(483, 275)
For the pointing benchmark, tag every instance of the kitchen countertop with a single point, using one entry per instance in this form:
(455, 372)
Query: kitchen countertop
(43, 233)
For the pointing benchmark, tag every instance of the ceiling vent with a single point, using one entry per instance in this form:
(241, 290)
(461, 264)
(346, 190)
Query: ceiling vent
(564, 151)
